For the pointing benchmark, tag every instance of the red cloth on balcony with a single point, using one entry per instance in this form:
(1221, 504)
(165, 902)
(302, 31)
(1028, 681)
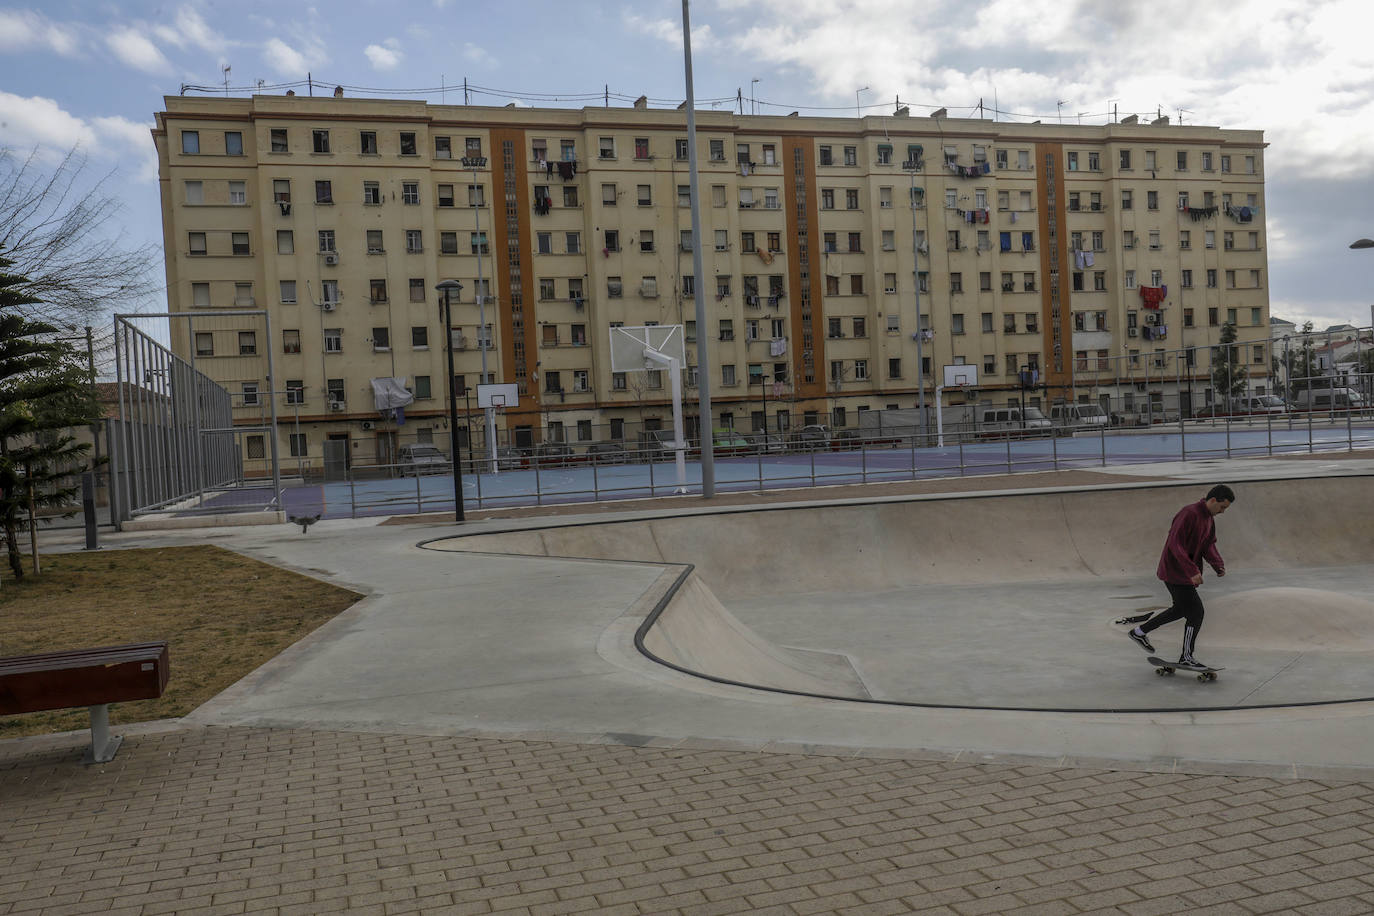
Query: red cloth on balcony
(1152, 296)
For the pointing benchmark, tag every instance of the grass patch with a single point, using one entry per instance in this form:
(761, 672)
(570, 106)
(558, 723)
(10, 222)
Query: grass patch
(222, 616)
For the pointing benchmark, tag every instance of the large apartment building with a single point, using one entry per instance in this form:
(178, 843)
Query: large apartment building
(1083, 254)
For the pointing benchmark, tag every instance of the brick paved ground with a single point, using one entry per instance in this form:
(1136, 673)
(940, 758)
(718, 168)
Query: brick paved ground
(228, 820)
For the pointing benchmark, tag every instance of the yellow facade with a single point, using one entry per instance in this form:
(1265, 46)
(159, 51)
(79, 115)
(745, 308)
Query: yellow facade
(356, 208)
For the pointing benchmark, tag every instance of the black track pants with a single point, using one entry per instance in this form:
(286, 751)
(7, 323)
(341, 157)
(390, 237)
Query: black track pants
(1187, 607)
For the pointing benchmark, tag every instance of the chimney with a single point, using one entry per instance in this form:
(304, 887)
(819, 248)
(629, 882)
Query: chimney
(1131, 119)
(940, 113)
(642, 103)
(1160, 122)
(338, 92)
(290, 92)
(903, 112)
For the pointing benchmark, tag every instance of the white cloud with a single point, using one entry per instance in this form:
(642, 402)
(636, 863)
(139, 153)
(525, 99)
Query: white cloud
(478, 55)
(189, 29)
(25, 30)
(670, 30)
(135, 49)
(385, 56)
(40, 123)
(288, 61)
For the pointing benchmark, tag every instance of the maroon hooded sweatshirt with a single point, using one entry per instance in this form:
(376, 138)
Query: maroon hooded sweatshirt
(1192, 539)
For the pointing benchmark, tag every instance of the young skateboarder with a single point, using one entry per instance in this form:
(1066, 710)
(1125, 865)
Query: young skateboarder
(1192, 539)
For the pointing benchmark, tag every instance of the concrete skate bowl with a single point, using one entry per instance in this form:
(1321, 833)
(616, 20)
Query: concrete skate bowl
(1003, 601)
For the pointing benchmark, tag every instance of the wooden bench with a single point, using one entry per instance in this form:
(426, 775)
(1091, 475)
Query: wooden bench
(85, 677)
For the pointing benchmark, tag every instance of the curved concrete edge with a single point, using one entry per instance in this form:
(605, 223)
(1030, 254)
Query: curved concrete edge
(693, 632)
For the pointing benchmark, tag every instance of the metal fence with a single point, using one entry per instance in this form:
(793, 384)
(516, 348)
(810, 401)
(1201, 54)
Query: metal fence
(176, 446)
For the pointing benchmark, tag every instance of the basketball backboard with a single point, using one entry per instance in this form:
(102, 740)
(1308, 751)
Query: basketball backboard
(961, 376)
(629, 344)
(498, 395)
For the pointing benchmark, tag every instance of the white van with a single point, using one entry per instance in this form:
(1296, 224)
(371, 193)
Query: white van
(1013, 420)
(1070, 416)
(1329, 399)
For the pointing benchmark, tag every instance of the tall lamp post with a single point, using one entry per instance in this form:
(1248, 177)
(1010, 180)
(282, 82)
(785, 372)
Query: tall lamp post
(912, 166)
(447, 287)
(489, 420)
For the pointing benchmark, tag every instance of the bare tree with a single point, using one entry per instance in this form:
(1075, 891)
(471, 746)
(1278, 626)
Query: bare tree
(59, 228)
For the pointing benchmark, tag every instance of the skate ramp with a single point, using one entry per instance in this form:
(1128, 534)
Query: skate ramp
(978, 600)
(694, 632)
(1292, 619)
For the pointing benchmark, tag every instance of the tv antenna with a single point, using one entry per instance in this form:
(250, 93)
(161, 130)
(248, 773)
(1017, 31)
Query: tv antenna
(1060, 105)
(226, 68)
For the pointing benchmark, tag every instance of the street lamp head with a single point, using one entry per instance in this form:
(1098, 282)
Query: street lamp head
(474, 162)
(445, 286)
(1362, 243)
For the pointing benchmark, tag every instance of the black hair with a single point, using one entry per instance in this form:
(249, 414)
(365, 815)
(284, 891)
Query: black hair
(1221, 491)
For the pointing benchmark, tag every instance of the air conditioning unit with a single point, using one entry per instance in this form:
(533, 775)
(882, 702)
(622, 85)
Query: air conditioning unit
(1132, 332)
(367, 424)
(336, 406)
(331, 259)
(329, 305)
(1151, 318)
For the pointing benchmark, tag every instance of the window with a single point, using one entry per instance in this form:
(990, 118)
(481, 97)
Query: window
(680, 150)
(443, 195)
(320, 139)
(205, 343)
(1211, 278)
(381, 339)
(646, 240)
(613, 288)
(956, 282)
(238, 193)
(1094, 162)
(477, 243)
(281, 190)
(1152, 200)
(608, 195)
(1099, 280)
(408, 143)
(860, 327)
(727, 373)
(644, 195)
(288, 292)
(1154, 240)
(1182, 161)
(717, 150)
(1226, 163)
(377, 291)
(827, 198)
(367, 142)
(324, 192)
(372, 193)
(279, 142)
(894, 367)
(417, 290)
(477, 195)
(856, 284)
(443, 148)
(286, 242)
(1125, 159)
(851, 199)
(248, 343)
(190, 142)
(1183, 200)
(851, 155)
(860, 369)
(856, 241)
(641, 147)
(415, 241)
(1073, 162)
(448, 243)
(410, 192)
(239, 243)
(825, 157)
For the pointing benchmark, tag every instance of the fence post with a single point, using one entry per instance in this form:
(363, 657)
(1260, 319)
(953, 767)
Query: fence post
(88, 509)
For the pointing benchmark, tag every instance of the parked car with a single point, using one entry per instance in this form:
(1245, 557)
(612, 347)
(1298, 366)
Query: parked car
(552, 453)
(728, 438)
(1069, 416)
(607, 453)
(813, 436)
(510, 458)
(1328, 399)
(764, 443)
(422, 459)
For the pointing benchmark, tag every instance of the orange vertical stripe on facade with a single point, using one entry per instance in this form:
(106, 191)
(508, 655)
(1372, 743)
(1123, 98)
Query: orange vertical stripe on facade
(503, 291)
(812, 259)
(1054, 258)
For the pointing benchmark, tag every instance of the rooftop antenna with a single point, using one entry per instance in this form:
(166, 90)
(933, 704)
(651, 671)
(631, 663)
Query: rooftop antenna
(1181, 112)
(226, 68)
(753, 96)
(1111, 106)
(443, 90)
(1081, 114)
(858, 113)
(1060, 104)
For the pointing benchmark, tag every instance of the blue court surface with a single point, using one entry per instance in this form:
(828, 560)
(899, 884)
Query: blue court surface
(587, 483)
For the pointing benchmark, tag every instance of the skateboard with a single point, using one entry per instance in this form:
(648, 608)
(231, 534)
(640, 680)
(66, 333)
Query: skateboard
(1162, 668)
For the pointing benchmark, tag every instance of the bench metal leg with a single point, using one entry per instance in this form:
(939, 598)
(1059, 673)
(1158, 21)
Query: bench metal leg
(103, 744)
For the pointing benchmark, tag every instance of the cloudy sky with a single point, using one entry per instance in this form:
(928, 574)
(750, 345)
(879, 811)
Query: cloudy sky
(1301, 70)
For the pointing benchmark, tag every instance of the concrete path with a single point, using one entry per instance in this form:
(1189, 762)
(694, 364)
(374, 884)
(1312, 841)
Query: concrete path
(478, 735)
